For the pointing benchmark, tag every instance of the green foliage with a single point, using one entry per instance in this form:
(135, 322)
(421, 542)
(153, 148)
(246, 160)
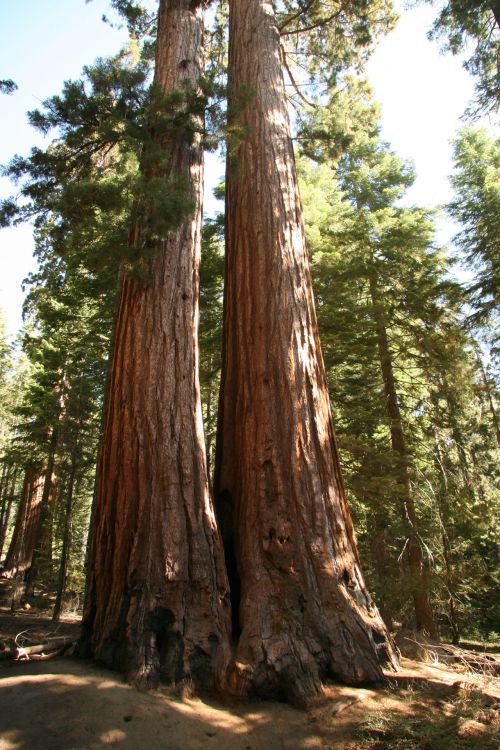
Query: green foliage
(328, 38)
(465, 25)
(138, 19)
(7, 86)
(362, 239)
(5, 384)
(476, 208)
(210, 332)
(110, 164)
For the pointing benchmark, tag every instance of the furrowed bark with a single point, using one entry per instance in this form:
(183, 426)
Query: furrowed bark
(157, 605)
(304, 611)
(42, 545)
(22, 544)
(7, 501)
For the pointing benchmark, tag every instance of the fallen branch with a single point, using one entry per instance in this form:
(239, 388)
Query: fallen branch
(473, 662)
(52, 655)
(56, 645)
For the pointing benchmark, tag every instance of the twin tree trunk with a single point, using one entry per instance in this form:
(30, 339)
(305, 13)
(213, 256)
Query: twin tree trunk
(301, 610)
(158, 600)
(157, 604)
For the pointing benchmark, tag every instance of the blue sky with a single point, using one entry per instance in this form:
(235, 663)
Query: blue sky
(44, 42)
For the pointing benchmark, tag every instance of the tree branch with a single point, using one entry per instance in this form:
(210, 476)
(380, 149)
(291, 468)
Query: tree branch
(294, 83)
(296, 15)
(315, 25)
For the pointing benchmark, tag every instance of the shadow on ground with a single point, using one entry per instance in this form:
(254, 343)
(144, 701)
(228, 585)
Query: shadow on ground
(70, 705)
(67, 704)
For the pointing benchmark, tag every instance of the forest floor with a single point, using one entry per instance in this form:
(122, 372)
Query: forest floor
(68, 704)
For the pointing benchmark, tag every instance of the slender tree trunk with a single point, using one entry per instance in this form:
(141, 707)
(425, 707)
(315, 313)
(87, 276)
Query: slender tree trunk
(7, 500)
(100, 442)
(418, 573)
(14, 551)
(22, 544)
(494, 417)
(157, 604)
(68, 520)
(41, 537)
(443, 516)
(458, 437)
(304, 610)
(450, 584)
(379, 546)
(3, 484)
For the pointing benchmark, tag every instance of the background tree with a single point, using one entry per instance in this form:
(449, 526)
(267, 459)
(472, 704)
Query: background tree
(389, 355)
(211, 296)
(476, 208)
(466, 25)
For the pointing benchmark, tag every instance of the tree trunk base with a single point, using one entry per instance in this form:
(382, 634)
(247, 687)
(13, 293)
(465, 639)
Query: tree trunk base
(153, 645)
(293, 668)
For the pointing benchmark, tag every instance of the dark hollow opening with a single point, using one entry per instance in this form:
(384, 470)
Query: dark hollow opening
(169, 645)
(224, 509)
(378, 638)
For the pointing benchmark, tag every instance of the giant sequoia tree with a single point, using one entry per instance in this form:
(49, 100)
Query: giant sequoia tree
(301, 608)
(156, 604)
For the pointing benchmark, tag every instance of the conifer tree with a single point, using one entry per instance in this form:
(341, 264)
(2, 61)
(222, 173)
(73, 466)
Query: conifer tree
(476, 208)
(303, 611)
(157, 600)
(361, 239)
(474, 27)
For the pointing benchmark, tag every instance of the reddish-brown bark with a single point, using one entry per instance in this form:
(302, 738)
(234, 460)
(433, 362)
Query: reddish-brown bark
(304, 611)
(157, 604)
(42, 544)
(26, 528)
(8, 490)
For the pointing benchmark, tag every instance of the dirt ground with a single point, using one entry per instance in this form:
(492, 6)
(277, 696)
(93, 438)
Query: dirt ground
(67, 704)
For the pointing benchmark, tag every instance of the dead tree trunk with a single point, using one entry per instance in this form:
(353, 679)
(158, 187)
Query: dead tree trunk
(157, 605)
(304, 611)
(419, 580)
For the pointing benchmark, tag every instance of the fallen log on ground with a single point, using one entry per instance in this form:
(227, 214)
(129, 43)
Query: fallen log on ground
(37, 651)
(51, 654)
(48, 649)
